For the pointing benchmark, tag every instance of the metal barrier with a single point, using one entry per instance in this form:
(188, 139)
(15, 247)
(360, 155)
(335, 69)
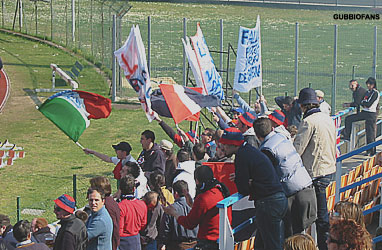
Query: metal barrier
(226, 238)
(356, 184)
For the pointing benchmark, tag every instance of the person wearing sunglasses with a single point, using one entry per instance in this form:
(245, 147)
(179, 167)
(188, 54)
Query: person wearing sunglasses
(72, 234)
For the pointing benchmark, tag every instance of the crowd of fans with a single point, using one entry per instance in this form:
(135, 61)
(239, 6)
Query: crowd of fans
(284, 160)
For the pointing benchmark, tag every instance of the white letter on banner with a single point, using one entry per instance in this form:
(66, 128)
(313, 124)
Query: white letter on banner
(248, 71)
(210, 77)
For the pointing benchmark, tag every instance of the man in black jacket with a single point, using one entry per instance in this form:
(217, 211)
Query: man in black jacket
(358, 94)
(152, 157)
(291, 109)
(72, 234)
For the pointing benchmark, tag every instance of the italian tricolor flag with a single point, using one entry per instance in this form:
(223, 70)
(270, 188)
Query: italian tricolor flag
(71, 110)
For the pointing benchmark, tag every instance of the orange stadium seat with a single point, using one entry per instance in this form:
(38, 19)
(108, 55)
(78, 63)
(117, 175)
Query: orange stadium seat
(358, 170)
(357, 196)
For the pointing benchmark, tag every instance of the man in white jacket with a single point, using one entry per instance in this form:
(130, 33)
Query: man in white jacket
(185, 171)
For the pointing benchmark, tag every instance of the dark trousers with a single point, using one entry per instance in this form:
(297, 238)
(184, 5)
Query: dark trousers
(322, 222)
(130, 243)
(180, 245)
(302, 211)
(269, 214)
(370, 126)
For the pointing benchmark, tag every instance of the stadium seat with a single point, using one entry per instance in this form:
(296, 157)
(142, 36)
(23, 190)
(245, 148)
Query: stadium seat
(358, 170)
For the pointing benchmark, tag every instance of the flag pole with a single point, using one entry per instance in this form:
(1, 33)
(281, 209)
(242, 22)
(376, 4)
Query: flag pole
(196, 131)
(79, 145)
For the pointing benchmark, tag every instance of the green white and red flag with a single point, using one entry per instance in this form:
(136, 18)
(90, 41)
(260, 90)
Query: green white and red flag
(71, 110)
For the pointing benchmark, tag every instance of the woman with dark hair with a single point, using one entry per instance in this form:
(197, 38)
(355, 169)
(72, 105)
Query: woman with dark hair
(157, 184)
(204, 212)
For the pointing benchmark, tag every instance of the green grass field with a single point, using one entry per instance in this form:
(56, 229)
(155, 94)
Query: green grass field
(51, 158)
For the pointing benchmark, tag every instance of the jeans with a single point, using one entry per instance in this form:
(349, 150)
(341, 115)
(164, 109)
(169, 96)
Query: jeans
(152, 245)
(269, 214)
(322, 222)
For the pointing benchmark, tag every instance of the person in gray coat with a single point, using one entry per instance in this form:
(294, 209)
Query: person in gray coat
(293, 176)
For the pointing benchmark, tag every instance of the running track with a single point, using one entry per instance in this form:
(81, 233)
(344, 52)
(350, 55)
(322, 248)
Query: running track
(4, 89)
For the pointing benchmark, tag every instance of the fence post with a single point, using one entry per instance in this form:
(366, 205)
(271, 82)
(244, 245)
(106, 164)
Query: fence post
(91, 29)
(353, 72)
(35, 16)
(18, 208)
(21, 15)
(78, 24)
(296, 60)
(184, 51)
(149, 44)
(51, 20)
(221, 45)
(114, 70)
(75, 187)
(334, 83)
(2, 13)
(375, 53)
(73, 20)
(338, 181)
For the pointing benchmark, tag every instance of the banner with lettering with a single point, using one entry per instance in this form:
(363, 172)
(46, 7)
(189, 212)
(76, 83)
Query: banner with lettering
(212, 82)
(132, 59)
(248, 71)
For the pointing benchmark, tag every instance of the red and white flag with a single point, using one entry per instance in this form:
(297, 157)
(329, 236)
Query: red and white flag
(132, 59)
(184, 103)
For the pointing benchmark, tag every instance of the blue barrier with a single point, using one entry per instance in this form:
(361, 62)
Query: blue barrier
(359, 150)
(229, 201)
(356, 184)
(377, 239)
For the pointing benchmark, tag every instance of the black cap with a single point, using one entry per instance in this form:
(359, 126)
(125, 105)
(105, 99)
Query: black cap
(124, 146)
(306, 96)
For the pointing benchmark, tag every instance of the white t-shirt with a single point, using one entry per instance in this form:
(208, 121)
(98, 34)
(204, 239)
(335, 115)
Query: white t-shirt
(115, 160)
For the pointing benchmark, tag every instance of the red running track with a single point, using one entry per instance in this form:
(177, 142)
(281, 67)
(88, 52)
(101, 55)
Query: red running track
(4, 89)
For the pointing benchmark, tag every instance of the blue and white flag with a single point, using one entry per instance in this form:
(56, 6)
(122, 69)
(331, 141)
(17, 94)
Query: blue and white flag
(212, 82)
(248, 71)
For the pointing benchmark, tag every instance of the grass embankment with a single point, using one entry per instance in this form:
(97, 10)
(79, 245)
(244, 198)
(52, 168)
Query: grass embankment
(51, 158)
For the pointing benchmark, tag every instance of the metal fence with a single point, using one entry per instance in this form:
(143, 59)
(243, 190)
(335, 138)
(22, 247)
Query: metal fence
(320, 55)
(363, 3)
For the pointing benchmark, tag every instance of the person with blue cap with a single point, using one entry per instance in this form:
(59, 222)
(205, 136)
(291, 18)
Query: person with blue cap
(315, 142)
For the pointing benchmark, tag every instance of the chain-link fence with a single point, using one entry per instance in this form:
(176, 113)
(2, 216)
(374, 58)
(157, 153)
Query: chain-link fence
(89, 31)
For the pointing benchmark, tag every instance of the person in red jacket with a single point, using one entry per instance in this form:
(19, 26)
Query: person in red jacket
(204, 211)
(133, 217)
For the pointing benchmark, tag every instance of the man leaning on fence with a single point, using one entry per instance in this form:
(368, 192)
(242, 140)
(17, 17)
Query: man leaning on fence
(316, 143)
(72, 234)
(255, 176)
